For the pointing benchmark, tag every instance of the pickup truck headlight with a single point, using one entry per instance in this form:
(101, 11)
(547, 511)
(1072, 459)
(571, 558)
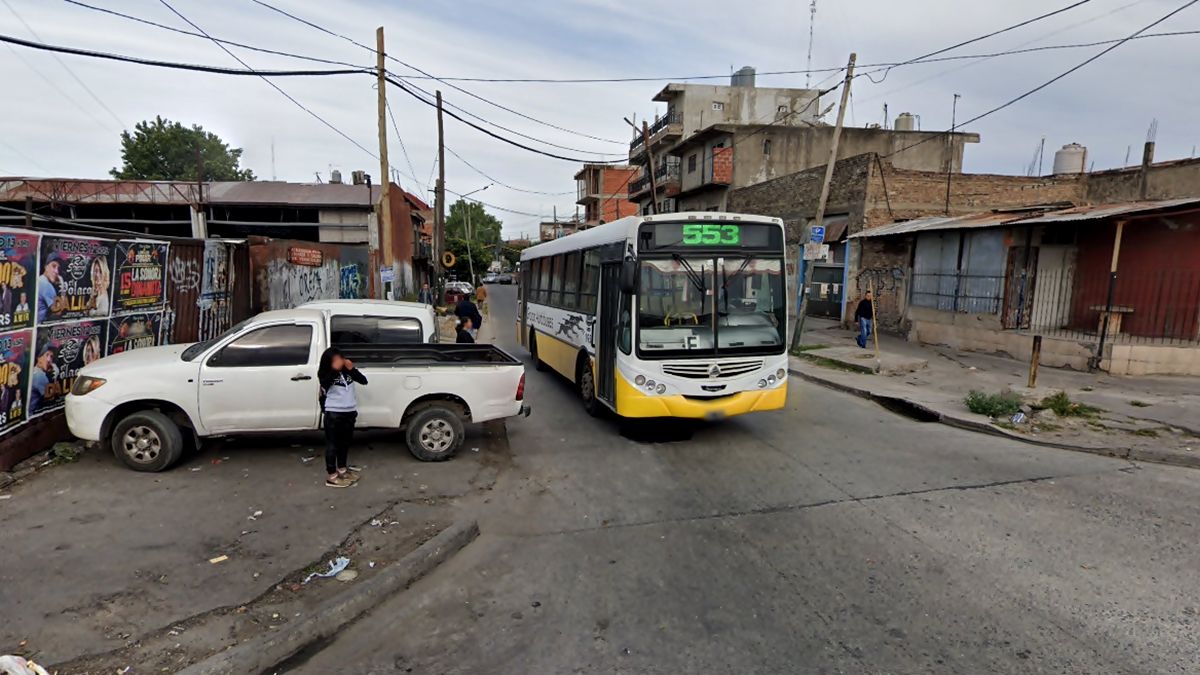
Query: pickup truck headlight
(85, 385)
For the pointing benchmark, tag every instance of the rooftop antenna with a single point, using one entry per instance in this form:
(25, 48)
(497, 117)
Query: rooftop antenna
(812, 20)
(1128, 148)
(1152, 132)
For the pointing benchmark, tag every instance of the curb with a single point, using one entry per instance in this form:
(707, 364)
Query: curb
(260, 654)
(1134, 454)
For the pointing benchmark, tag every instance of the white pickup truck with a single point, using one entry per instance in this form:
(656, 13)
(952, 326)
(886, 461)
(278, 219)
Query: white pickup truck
(261, 376)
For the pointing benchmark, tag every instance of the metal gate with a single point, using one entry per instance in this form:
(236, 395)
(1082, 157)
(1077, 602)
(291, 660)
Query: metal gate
(825, 292)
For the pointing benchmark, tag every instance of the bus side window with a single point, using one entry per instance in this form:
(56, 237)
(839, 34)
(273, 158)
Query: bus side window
(591, 281)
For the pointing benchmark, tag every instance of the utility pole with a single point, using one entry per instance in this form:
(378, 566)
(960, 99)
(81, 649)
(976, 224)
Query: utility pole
(950, 149)
(439, 217)
(649, 162)
(28, 212)
(380, 239)
(798, 325)
(199, 225)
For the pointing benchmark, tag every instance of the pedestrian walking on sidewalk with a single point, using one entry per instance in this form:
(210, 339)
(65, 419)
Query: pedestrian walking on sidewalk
(339, 407)
(425, 295)
(863, 316)
(481, 295)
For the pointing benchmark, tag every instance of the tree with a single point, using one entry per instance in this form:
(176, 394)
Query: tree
(482, 256)
(166, 150)
(485, 228)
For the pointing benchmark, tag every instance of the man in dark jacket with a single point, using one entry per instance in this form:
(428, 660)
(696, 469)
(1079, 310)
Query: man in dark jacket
(864, 315)
(466, 309)
(462, 332)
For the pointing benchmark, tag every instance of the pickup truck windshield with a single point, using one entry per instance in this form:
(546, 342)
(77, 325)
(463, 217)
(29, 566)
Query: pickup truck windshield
(199, 348)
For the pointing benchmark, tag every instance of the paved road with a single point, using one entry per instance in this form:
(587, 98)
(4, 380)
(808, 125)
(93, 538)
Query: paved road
(833, 537)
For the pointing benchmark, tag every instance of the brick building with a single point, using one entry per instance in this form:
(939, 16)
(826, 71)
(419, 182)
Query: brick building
(603, 192)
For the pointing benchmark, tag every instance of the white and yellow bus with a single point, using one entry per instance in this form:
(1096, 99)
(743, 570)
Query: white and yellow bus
(674, 315)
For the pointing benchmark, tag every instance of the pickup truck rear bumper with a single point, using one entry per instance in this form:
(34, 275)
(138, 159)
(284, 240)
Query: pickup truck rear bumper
(85, 416)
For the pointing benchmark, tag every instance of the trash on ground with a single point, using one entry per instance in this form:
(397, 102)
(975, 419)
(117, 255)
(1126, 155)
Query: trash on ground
(195, 468)
(347, 575)
(474, 449)
(5, 496)
(371, 564)
(306, 460)
(1018, 418)
(216, 461)
(375, 522)
(335, 567)
(255, 515)
(218, 559)
(15, 665)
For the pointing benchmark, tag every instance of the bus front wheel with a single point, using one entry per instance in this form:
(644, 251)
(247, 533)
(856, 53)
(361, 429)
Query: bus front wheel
(587, 387)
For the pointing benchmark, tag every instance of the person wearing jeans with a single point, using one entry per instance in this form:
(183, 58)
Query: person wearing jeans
(339, 406)
(864, 316)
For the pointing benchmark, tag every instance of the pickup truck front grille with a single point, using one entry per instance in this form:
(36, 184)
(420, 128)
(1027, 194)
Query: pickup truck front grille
(711, 370)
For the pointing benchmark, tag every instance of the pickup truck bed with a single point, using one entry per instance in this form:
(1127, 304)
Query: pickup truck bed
(433, 355)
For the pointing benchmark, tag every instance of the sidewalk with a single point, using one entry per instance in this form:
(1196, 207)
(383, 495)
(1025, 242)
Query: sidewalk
(1145, 418)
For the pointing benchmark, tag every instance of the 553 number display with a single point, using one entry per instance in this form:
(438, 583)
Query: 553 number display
(711, 234)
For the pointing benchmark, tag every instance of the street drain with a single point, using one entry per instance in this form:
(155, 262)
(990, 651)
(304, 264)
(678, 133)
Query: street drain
(907, 408)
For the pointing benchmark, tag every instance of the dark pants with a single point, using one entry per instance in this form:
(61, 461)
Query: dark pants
(339, 431)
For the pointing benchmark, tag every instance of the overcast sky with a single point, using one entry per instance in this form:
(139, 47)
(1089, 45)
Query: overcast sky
(51, 126)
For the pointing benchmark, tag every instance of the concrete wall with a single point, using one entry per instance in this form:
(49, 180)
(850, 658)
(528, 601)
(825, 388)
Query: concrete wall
(743, 105)
(1168, 180)
(1152, 360)
(281, 284)
(975, 333)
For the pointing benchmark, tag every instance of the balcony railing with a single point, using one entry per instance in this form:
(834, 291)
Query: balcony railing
(422, 251)
(666, 176)
(657, 127)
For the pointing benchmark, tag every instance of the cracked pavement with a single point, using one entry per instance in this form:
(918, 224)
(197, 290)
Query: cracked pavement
(833, 537)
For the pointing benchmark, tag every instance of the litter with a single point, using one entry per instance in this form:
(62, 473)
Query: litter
(218, 559)
(371, 564)
(1018, 418)
(255, 516)
(335, 567)
(474, 449)
(195, 468)
(306, 460)
(347, 575)
(216, 462)
(5, 496)
(15, 665)
(375, 522)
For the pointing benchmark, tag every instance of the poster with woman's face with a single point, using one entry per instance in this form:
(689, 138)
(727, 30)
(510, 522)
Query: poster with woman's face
(134, 331)
(74, 278)
(15, 348)
(62, 351)
(18, 261)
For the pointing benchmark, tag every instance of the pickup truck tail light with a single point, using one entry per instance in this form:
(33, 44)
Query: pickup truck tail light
(521, 388)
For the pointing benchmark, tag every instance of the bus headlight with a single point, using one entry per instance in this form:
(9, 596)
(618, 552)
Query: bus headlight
(639, 380)
(649, 385)
(770, 379)
(662, 389)
(780, 374)
(762, 384)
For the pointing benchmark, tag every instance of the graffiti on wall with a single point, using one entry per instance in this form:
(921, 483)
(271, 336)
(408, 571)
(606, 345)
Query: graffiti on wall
(185, 274)
(291, 285)
(351, 285)
(216, 285)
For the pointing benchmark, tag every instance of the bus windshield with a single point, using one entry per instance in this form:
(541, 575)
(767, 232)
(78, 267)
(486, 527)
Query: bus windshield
(694, 305)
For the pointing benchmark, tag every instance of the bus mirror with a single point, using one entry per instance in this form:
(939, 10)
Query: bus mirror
(628, 281)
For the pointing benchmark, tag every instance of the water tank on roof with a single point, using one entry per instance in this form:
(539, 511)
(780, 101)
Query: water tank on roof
(906, 122)
(744, 77)
(335, 176)
(1070, 159)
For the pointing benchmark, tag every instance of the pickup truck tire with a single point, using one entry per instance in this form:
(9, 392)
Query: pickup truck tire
(435, 433)
(533, 351)
(147, 440)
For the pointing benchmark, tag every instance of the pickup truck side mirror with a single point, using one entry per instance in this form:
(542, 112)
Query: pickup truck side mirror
(629, 277)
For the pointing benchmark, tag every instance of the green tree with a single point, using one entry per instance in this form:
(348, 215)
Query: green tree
(485, 228)
(482, 256)
(166, 150)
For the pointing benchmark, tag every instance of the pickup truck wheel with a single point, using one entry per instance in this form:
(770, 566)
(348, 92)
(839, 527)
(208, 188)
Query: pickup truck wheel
(533, 351)
(435, 434)
(147, 441)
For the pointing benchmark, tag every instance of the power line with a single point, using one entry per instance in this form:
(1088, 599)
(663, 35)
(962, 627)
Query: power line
(1056, 78)
(70, 72)
(231, 43)
(488, 132)
(979, 39)
(55, 87)
(274, 86)
(502, 183)
(396, 128)
(433, 77)
(173, 64)
(492, 206)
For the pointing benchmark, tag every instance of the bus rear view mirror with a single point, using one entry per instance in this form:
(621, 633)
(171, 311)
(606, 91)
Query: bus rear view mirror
(628, 280)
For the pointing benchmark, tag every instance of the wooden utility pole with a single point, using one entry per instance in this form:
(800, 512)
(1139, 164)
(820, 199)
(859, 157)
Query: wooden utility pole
(28, 212)
(439, 217)
(381, 239)
(950, 149)
(798, 324)
(649, 163)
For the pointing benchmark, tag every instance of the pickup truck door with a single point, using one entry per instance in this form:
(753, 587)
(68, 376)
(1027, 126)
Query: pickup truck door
(262, 380)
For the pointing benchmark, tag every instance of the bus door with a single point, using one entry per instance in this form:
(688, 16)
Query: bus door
(606, 346)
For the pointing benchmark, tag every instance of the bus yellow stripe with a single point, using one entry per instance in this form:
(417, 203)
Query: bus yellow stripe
(633, 402)
(558, 355)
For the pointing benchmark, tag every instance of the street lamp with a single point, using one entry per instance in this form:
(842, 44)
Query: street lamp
(470, 259)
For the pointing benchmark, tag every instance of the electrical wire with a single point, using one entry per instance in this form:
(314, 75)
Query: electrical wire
(451, 113)
(173, 64)
(46, 78)
(502, 183)
(231, 43)
(1052, 80)
(78, 80)
(433, 77)
(396, 128)
(274, 86)
(964, 43)
(492, 206)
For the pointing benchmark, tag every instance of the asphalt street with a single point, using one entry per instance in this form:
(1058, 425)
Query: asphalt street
(833, 537)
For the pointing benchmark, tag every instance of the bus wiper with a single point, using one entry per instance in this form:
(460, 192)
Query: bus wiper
(696, 279)
(726, 278)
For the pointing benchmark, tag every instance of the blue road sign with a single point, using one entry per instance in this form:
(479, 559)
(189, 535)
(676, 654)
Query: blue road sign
(817, 235)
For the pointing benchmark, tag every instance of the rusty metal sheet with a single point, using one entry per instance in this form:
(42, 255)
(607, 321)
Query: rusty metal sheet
(977, 220)
(1104, 211)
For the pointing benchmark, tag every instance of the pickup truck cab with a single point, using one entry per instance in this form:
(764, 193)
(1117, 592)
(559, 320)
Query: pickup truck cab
(261, 376)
